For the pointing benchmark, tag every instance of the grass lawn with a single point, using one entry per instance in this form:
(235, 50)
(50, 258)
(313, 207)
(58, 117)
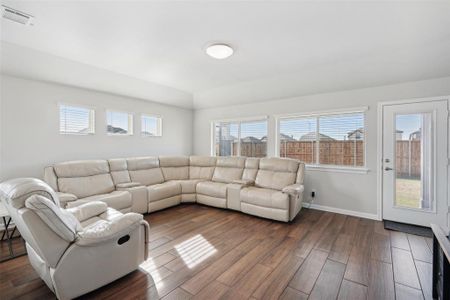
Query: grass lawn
(408, 193)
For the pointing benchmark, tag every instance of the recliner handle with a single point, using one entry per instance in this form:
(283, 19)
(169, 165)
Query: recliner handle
(123, 239)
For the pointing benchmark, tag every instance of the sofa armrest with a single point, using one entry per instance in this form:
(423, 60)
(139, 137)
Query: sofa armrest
(244, 182)
(293, 189)
(88, 210)
(65, 197)
(104, 230)
(127, 185)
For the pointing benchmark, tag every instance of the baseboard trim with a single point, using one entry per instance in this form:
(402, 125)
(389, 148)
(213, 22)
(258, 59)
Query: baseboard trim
(342, 211)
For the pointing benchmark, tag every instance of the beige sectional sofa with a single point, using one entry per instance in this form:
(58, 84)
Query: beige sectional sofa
(267, 187)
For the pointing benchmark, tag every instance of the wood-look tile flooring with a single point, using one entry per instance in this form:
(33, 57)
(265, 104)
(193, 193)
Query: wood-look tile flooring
(200, 252)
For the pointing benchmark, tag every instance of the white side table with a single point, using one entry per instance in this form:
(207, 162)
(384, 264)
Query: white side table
(6, 218)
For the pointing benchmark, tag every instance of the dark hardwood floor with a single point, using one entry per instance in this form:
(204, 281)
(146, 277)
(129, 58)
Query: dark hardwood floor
(200, 252)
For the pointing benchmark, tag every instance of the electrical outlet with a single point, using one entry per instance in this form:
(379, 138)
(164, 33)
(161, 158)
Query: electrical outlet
(313, 193)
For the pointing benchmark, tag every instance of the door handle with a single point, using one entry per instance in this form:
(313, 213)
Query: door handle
(388, 169)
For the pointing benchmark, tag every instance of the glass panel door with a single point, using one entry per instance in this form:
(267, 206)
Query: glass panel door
(413, 161)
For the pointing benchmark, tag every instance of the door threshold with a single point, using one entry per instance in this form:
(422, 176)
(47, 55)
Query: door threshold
(408, 228)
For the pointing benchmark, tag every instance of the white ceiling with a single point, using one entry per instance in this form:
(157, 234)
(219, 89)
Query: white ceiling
(155, 50)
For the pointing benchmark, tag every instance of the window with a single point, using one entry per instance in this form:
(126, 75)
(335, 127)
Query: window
(76, 120)
(119, 123)
(244, 138)
(151, 125)
(327, 139)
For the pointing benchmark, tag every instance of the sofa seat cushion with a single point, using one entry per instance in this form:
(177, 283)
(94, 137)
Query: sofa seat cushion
(118, 200)
(164, 190)
(213, 189)
(265, 197)
(188, 186)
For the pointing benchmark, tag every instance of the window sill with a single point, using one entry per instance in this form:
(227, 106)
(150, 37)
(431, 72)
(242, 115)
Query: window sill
(337, 169)
(119, 134)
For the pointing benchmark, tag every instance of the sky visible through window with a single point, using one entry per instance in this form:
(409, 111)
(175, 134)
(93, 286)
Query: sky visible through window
(149, 125)
(408, 124)
(74, 119)
(337, 127)
(118, 120)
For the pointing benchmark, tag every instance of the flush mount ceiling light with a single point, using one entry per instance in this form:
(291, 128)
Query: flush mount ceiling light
(16, 15)
(219, 51)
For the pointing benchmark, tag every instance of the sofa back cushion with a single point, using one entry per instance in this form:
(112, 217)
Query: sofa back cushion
(145, 170)
(201, 167)
(300, 173)
(251, 168)
(174, 167)
(228, 169)
(81, 168)
(276, 173)
(84, 178)
(119, 170)
(59, 220)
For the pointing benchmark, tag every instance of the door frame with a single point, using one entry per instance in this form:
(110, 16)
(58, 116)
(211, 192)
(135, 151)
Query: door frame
(380, 128)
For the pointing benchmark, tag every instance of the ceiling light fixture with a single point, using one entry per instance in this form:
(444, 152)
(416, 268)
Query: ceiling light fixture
(219, 51)
(16, 15)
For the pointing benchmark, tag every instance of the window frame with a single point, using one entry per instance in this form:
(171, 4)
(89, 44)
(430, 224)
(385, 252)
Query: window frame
(92, 113)
(239, 121)
(160, 121)
(130, 122)
(317, 114)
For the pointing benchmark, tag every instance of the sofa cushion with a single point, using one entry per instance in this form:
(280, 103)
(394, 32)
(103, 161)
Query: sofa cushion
(164, 190)
(201, 167)
(274, 180)
(300, 173)
(175, 173)
(81, 168)
(147, 177)
(142, 163)
(188, 186)
(145, 170)
(174, 167)
(60, 221)
(16, 191)
(117, 200)
(86, 186)
(265, 197)
(119, 171)
(173, 161)
(213, 189)
(251, 168)
(276, 173)
(228, 169)
(88, 210)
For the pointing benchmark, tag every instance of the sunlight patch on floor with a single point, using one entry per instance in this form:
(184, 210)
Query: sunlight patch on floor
(195, 250)
(150, 268)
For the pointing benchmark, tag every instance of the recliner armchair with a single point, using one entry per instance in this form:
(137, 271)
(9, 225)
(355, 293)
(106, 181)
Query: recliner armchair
(74, 250)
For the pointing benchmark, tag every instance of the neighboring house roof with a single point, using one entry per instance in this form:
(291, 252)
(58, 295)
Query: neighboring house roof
(251, 139)
(356, 134)
(116, 129)
(415, 135)
(283, 137)
(311, 136)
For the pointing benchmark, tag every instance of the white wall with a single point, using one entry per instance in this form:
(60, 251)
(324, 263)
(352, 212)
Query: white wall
(30, 139)
(353, 192)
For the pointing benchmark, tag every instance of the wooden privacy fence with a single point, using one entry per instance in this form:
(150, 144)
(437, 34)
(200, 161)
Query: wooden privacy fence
(342, 153)
(408, 155)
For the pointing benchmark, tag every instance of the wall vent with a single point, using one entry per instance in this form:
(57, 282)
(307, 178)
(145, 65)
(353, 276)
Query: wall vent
(17, 16)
